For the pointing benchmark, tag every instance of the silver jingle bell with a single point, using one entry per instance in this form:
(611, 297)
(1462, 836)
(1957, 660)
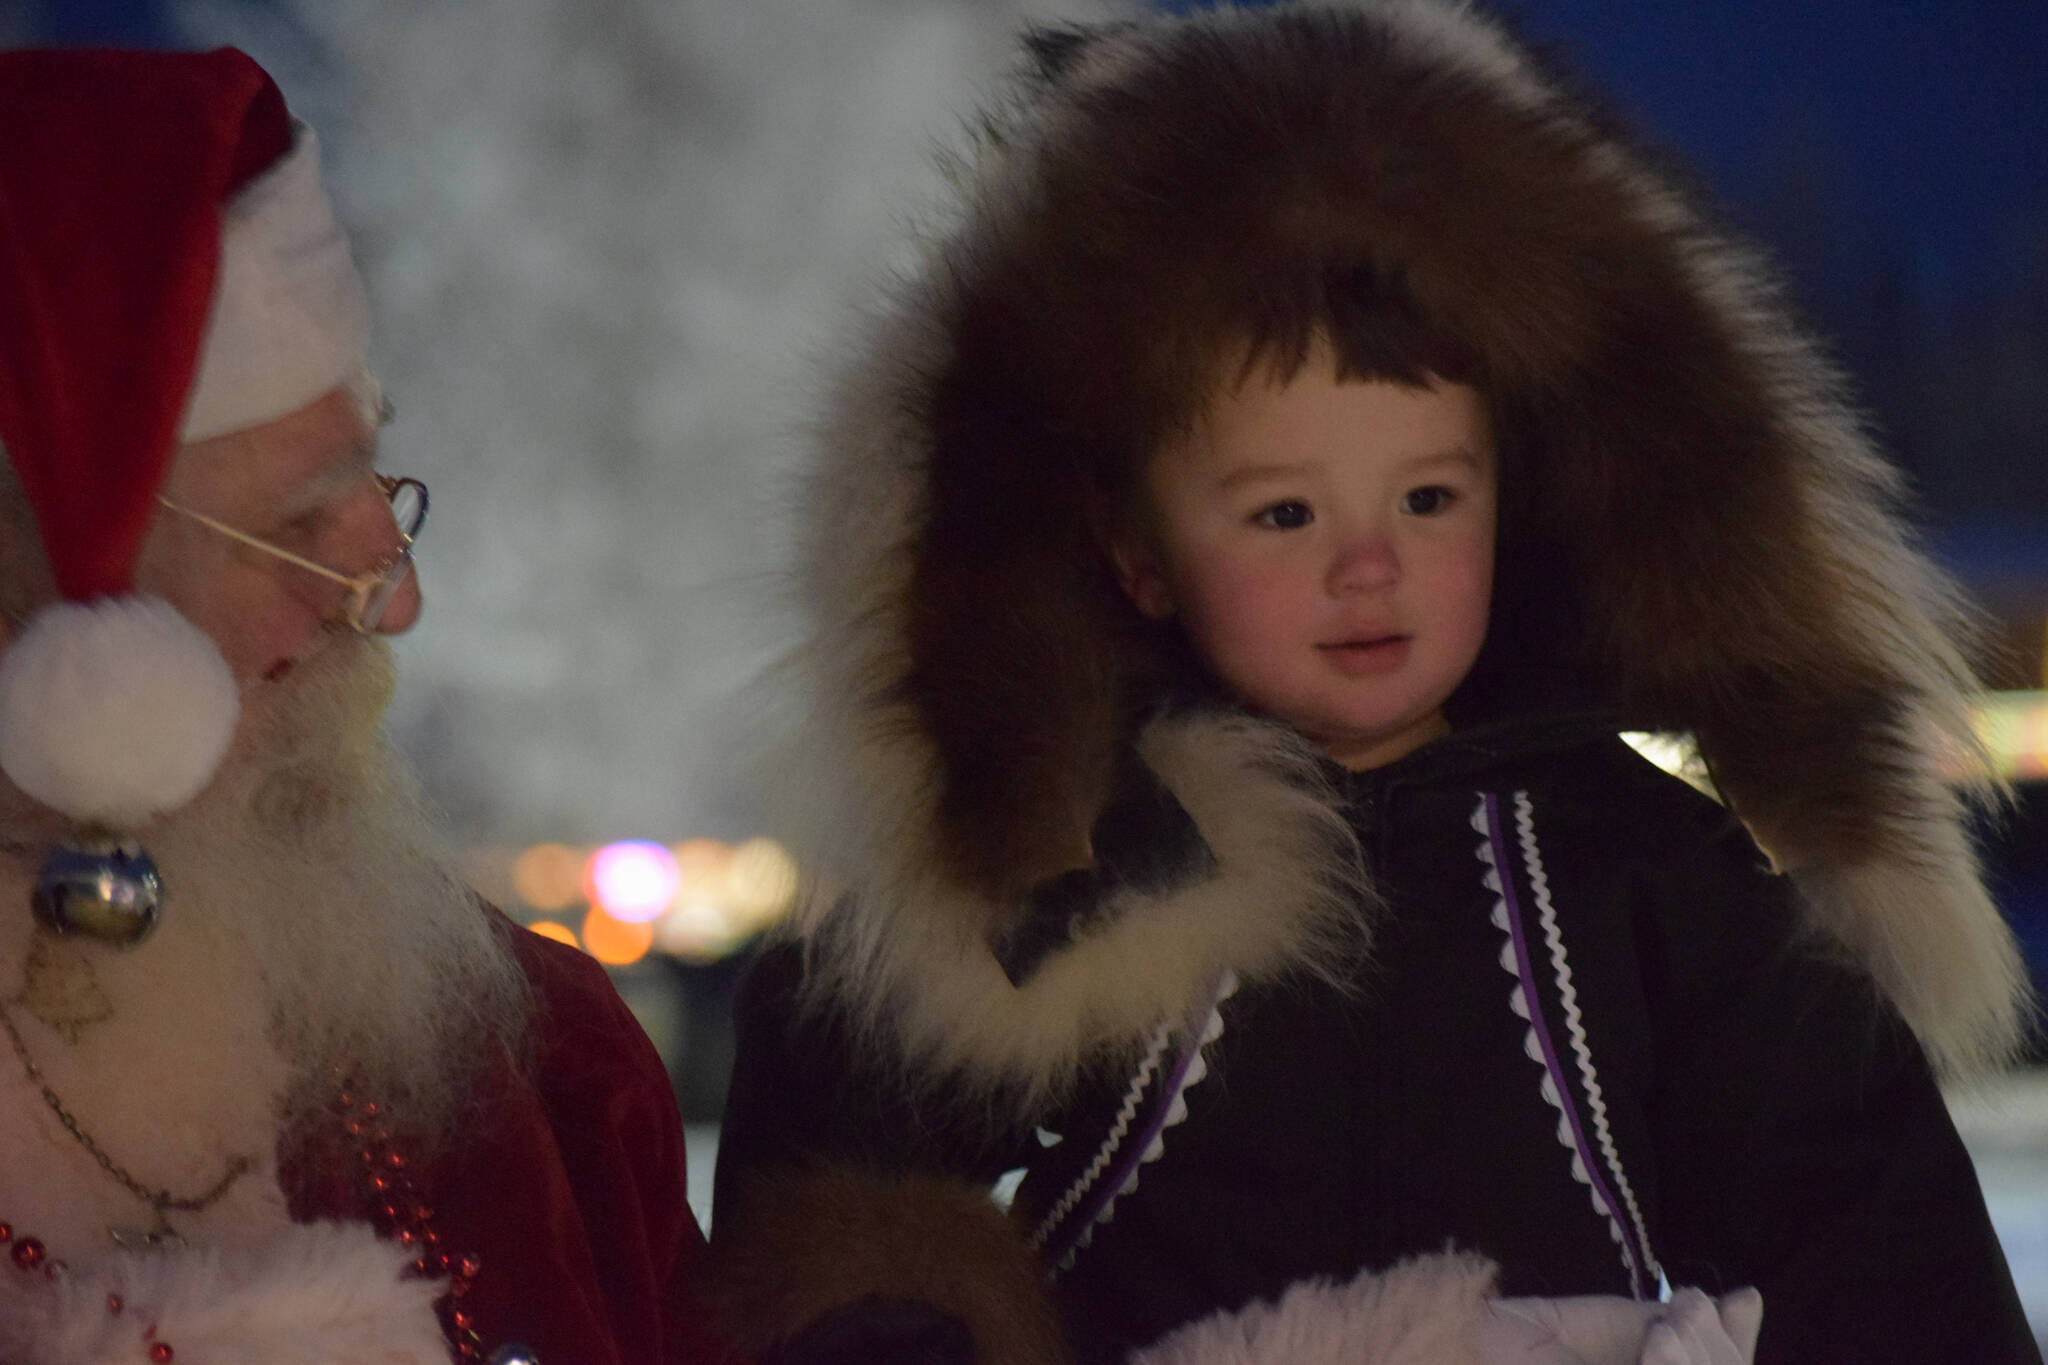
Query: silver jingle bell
(512, 1353)
(99, 888)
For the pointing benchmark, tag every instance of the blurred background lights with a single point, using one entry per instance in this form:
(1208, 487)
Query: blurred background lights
(615, 942)
(762, 883)
(699, 900)
(703, 870)
(634, 880)
(2014, 728)
(697, 931)
(725, 895)
(554, 929)
(1677, 754)
(549, 877)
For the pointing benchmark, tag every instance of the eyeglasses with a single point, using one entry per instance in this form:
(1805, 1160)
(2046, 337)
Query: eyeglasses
(369, 592)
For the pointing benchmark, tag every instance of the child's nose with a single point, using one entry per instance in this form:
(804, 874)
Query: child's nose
(1364, 563)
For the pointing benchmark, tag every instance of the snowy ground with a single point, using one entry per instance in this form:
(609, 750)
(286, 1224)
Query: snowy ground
(2006, 1128)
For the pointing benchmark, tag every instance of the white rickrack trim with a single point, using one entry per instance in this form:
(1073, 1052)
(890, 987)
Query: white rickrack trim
(1110, 1142)
(1134, 1094)
(1568, 996)
(1518, 1000)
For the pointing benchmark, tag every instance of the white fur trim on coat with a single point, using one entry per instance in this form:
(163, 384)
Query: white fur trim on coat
(323, 1294)
(1422, 1312)
(1439, 1310)
(1289, 896)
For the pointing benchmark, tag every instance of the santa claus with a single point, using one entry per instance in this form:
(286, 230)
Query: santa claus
(273, 1084)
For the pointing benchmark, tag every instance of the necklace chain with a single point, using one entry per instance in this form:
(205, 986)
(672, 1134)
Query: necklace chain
(161, 1202)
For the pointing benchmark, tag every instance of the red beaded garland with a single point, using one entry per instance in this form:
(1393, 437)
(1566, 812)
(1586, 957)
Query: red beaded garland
(405, 1217)
(29, 1253)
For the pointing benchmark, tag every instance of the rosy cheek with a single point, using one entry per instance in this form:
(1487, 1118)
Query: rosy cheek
(1260, 589)
(273, 638)
(1472, 607)
(1242, 608)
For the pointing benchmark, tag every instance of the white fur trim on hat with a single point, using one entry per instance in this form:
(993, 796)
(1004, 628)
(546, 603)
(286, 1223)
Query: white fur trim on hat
(289, 319)
(115, 710)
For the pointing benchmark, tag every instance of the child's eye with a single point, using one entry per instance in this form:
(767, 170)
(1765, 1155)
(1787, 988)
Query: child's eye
(1428, 501)
(1290, 515)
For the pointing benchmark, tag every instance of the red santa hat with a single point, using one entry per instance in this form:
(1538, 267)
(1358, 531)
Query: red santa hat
(170, 270)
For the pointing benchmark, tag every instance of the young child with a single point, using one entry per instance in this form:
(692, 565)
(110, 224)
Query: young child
(1233, 564)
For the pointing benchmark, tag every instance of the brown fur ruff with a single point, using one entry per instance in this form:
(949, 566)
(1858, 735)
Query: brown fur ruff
(810, 1242)
(1701, 500)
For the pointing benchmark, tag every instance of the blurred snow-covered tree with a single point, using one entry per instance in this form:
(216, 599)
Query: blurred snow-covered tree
(606, 242)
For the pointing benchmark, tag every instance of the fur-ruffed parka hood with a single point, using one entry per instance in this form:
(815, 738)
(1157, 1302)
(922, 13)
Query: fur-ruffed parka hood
(1697, 534)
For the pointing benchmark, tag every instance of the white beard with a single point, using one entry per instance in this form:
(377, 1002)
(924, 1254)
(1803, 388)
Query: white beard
(310, 930)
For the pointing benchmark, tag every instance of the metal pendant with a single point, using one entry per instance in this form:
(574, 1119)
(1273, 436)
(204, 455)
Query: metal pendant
(136, 1239)
(102, 888)
(59, 988)
(512, 1353)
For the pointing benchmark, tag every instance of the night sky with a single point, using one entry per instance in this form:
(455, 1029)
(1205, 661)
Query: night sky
(1923, 124)
(1928, 119)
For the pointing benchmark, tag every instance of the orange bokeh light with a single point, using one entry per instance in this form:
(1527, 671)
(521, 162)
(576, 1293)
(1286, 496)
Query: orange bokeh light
(549, 877)
(701, 869)
(614, 942)
(559, 932)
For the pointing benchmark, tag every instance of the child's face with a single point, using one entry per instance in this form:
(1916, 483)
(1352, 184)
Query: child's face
(1327, 546)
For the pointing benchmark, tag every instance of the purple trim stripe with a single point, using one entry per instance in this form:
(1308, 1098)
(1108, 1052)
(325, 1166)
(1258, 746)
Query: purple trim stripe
(1109, 1185)
(1588, 1154)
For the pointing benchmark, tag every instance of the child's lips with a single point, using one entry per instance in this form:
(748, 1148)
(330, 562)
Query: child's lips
(1367, 655)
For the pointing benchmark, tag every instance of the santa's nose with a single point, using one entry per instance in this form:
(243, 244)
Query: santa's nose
(404, 607)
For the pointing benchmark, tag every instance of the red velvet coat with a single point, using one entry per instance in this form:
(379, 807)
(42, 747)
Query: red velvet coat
(572, 1199)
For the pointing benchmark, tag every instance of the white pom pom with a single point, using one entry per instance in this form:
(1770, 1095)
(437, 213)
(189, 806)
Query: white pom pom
(114, 711)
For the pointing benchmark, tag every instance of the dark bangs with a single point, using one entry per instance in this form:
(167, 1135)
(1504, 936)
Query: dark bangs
(1227, 332)
(1373, 325)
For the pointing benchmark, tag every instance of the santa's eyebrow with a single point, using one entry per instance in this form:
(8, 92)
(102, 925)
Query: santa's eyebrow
(337, 476)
